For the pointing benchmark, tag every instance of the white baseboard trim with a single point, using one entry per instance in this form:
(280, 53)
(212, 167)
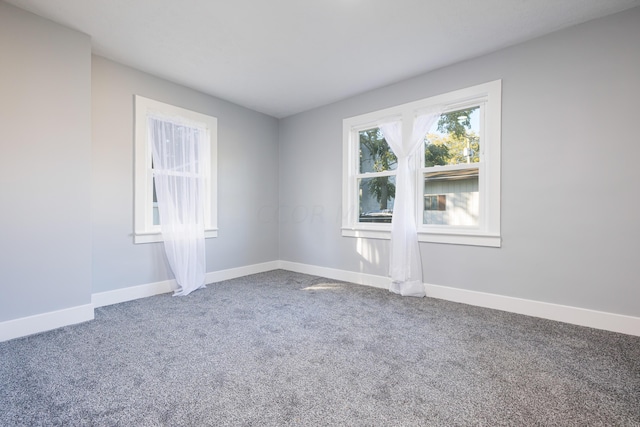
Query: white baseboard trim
(577, 316)
(117, 296)
(30, 325)
(342, 275)
(24, 326)
(562, 313)
(232, 273)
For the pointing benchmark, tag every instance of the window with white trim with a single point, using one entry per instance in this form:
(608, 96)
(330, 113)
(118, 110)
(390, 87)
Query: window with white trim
(457, 171)
(146, 219)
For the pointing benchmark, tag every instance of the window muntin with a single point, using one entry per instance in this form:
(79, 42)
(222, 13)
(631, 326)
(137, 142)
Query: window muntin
(457, 172)
(146, 218)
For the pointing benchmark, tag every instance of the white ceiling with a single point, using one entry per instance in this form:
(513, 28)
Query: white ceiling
(282, 57)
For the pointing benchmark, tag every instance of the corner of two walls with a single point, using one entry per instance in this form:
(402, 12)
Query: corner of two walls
(247, 180)
(67, 174)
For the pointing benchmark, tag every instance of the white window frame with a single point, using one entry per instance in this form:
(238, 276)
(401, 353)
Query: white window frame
(144, 229)
(487, 233)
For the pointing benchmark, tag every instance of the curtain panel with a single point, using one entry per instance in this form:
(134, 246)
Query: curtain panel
(179, 170)
(405, 264)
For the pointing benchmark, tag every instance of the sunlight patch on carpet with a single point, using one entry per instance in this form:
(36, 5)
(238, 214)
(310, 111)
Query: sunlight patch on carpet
(324, 287)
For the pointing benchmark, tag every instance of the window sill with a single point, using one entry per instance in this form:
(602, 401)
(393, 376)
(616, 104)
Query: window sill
(156, 236)
(461, 237)
(453, 237)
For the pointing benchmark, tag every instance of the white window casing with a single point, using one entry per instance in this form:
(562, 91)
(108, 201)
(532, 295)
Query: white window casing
(145, 231)
(486, 232)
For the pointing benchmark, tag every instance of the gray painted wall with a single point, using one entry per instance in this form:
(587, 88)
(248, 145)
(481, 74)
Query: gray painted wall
(45, 165)
(247, 180)
(570, 179)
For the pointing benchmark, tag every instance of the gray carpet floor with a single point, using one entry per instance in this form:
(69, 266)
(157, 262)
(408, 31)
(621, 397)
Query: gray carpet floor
(282, 348)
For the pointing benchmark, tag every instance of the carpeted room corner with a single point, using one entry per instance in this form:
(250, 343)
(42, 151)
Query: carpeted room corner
(284, 348)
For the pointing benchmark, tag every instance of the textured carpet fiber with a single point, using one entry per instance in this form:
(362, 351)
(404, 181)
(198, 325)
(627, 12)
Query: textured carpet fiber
(282, 348)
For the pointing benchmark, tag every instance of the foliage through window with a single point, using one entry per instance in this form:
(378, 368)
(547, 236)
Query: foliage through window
(376, 181)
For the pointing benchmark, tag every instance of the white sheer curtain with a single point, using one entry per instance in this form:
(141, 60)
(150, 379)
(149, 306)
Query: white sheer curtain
(179, 170)
(405, 265)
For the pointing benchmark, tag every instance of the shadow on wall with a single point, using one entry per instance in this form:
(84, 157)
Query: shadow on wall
(308, 219)
(369, 253)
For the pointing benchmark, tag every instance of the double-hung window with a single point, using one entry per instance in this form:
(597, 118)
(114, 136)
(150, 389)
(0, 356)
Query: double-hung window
(147, 220)
(456, 171)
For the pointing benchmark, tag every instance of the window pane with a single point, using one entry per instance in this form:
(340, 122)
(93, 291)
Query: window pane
(178, 138)
(451, 197)
(376, 198)
(375, 154)
(454, 139)
(156, 212)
